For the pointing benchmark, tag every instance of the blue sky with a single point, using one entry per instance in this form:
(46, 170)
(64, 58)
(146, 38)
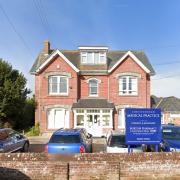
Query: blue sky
(149, 25)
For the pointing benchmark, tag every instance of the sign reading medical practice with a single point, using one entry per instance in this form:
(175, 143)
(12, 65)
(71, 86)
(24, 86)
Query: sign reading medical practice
(143, 125)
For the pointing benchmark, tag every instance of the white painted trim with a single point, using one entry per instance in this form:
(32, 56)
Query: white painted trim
(59, 93)
(93, 47)
(127, 86)
(129, 53)
(85, 54)
(99, 81)
(57, 52)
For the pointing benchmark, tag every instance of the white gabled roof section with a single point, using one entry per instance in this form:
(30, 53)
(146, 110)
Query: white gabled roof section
(129, 53)
(56, 52)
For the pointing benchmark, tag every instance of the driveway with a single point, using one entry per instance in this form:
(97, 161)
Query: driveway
(37, 144)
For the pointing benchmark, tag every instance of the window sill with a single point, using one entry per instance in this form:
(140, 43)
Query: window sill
(93, 96)
(58, 95)
(133, 95)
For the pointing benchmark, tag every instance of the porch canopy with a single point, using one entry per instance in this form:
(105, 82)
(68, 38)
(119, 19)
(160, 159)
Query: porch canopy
(93, 103)
(94, 115)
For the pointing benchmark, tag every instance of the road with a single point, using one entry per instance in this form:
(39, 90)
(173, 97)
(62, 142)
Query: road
(37, 144)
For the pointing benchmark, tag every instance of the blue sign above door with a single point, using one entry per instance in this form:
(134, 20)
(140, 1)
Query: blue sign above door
(143, 125)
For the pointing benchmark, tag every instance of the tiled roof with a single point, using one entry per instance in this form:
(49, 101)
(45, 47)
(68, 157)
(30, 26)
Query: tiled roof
(93, 103)
(155, 101)
(169, 104)
(112, 57)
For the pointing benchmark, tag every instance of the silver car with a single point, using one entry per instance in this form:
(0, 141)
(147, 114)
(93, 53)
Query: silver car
(116, 143)
(12, 141)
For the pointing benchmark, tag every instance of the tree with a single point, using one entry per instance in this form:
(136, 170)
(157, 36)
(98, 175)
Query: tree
(13, 94)
(28, 119)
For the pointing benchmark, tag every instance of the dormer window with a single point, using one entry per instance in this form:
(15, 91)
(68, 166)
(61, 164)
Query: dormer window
(93, 57)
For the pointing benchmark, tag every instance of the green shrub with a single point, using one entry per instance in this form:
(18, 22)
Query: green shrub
(34, 131)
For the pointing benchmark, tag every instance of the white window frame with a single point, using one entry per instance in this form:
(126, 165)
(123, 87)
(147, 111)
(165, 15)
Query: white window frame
(58, 86)
(85, 55)
(86, 113)
(102, 54)
(93, 95)
(134, 91)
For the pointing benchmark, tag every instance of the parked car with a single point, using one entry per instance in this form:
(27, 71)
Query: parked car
(116, 143)
(170, 138)
(69, 141)
(12, 141)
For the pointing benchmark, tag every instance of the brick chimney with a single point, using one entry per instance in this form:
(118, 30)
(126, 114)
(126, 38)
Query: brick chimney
(46, 47)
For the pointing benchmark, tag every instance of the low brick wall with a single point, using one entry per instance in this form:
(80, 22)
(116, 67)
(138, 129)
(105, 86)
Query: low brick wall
(90, 166)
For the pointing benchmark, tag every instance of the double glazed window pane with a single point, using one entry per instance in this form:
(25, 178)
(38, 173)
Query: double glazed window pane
(89, 58)
(63, 85)
(96, 58)
(57, 85)
(128, 85)
(93, 84)
(54, 83)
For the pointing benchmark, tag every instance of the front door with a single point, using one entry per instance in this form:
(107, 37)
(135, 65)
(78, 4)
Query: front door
(59, 118)
(56, 118)
(94, 124)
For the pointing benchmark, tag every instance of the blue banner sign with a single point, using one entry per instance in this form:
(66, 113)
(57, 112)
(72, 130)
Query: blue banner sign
(143, 125)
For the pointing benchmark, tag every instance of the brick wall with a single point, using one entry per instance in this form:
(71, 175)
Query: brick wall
(143, 97)
(90, 166)
(108, 88)
(43, 99)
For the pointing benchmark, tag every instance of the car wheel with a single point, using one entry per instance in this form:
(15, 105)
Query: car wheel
(25, 147)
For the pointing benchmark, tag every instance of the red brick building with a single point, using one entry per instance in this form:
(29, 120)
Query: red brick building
(89, 87)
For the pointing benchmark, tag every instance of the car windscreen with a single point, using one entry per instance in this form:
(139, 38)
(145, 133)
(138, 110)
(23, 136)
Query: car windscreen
(118, 141)
(65, 139)
(171, 133)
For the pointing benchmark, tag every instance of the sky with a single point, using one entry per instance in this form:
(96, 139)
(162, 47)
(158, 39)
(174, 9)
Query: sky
(149, 25)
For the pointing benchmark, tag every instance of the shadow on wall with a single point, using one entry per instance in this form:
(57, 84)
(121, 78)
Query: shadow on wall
(12, 174)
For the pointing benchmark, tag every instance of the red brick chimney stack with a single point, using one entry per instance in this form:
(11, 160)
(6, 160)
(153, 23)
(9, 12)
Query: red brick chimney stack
(46, 47)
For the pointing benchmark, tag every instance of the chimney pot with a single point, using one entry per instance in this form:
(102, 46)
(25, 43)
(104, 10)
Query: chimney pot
(46, 47)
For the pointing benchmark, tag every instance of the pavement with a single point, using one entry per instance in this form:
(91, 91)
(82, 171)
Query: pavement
(37, 144)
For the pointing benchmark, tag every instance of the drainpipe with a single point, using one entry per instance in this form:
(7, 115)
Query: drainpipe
(108, 88)
(39, 84)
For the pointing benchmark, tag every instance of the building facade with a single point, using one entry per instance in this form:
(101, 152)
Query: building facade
(89, 87)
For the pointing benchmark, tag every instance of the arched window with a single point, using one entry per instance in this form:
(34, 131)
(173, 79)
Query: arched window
(93, 87)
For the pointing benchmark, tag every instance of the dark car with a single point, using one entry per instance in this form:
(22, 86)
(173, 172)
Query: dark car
(69, 141)
(170, 139)
(12, 141)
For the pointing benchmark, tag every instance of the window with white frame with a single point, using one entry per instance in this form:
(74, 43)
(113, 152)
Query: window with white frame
(128, 85)
(93, 87)
(58, 85)
(93, 57)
